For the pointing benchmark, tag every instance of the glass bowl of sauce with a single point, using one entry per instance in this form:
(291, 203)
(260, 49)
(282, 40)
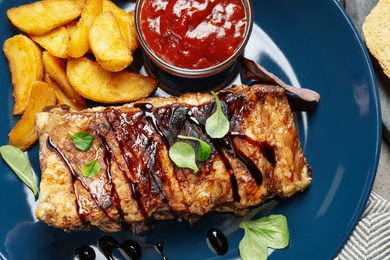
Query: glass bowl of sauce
(193, 39)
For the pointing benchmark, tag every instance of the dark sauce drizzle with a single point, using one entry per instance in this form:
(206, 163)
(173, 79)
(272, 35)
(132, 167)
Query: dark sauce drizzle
(220, 146)
(196, 116)
(76, 178)
(107, 157)
(250, 166)
(148, 113)
(133, 185)
(151, 118)
(121, 134)
(52, 147)
(228, 145)
(217, 242)
(178, 117)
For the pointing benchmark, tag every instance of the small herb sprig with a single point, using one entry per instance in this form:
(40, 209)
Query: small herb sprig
(183, 154)
(217, 125)
(204, 148)
(90, 169)
(261, 234)
(83, 141)
(20, 164)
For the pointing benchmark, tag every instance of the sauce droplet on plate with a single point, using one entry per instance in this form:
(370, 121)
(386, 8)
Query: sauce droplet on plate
(129, 248)
(85, 253)
(160, 248)
(217, 242)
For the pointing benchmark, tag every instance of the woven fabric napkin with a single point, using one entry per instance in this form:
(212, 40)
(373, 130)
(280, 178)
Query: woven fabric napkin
(371, 238)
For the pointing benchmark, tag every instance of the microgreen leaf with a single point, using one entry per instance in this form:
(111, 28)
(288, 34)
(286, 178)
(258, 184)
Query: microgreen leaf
(252, 246)
(183, 155)
(90, 169)
(204, 151)
(217, 125)
(204, 148)
(82, 140)
(20, 164)
(271, 231)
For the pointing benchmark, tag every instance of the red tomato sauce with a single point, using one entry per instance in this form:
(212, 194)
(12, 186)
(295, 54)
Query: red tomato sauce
(193, 34)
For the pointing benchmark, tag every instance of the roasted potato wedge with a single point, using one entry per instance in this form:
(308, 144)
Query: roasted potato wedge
(56, 68)
(93, 82)
(133, 39)
(25, 62)
(54, 42)
(62, 99)
(126, 23)
(79, 43)
(41, 17)
(71, 27)
(107, 43)
(23, 134)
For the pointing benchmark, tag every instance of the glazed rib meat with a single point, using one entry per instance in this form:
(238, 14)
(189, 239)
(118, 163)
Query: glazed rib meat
(260, 157)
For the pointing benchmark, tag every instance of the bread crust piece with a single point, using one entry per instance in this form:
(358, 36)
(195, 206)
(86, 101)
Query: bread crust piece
(376, 29)
(260, 157)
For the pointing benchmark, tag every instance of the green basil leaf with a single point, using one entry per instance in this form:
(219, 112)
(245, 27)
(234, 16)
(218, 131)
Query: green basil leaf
(217, 125)
(204, 151)
(273, 230)
(82, 140)
(252, 245)
(19, 163)
(183, 155)
(90, 169)
(204, 148)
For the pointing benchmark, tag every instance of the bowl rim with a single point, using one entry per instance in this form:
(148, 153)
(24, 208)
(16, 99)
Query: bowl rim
(194, 73)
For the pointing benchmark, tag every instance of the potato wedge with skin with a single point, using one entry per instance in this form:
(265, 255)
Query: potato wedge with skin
(71, 27)
(126, 23)
(41, 17)
(56, 68)
(79, 42)
(25, 62)
(107, 43)
(62, 99)
(54, 42)
(23, 134)
(93, 82)
(133, 39)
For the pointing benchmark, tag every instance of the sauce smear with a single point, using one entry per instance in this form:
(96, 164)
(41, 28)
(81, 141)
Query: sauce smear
(193, 34)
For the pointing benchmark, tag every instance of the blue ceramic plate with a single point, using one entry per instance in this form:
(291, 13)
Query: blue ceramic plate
(310, 44)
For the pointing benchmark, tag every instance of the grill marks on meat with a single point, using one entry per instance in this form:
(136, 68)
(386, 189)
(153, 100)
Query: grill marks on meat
(261, 156)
